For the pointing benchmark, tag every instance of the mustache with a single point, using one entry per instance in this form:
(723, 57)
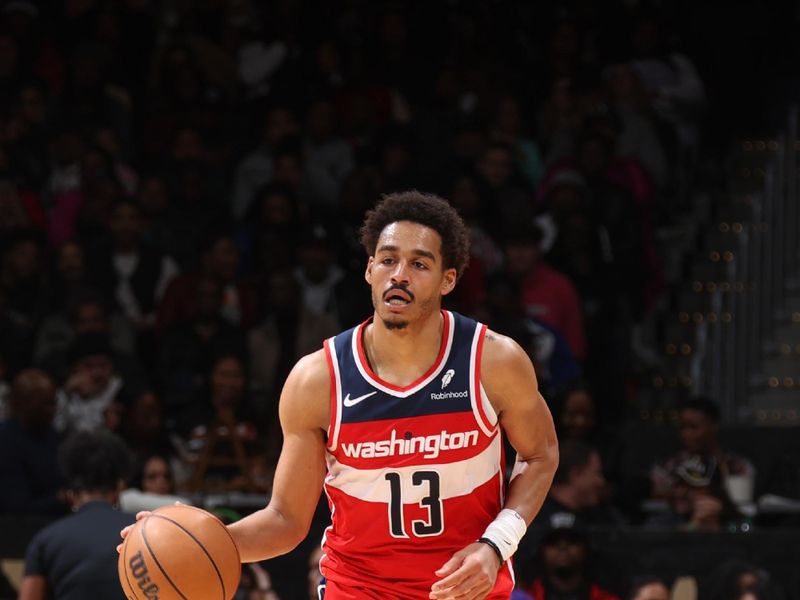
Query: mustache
(401, 288)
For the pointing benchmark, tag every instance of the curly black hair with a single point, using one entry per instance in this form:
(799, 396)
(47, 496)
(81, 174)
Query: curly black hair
(428, 210)
(95, 462)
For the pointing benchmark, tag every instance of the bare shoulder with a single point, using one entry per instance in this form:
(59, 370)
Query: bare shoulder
(501, 355)
(506, 370)
(305, 399)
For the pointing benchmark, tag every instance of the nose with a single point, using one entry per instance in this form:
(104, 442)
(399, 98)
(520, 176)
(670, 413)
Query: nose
(400, 273)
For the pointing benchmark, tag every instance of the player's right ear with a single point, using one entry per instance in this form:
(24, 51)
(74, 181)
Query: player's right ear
(368, 272)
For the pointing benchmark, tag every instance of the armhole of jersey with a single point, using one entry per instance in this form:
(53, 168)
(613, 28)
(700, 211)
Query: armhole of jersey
(477, 394)
(336, 394)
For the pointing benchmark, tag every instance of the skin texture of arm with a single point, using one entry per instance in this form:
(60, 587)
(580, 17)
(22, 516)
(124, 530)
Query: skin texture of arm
(34, 587)
(510, 382)
(304, 414)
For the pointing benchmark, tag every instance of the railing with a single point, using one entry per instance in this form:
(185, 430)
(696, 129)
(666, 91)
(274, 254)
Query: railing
(752, 283)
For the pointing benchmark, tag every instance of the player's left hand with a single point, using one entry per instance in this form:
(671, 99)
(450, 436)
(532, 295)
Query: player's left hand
(469, 575)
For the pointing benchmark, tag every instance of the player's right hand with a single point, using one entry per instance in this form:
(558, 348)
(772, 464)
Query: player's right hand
(124, 533)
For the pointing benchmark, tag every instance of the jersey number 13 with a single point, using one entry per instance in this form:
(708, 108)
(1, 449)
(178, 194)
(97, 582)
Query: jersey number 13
(434, 524)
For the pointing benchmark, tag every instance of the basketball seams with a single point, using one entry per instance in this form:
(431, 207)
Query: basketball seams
(225, 529)
(202, 547)
(208, 514)
(155, 558)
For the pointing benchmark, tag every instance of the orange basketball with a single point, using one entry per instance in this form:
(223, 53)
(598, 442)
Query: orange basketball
(179, 553)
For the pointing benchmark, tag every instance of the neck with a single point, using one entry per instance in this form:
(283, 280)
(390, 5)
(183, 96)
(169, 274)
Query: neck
(566, 496)
(416, 344)
(84, 497)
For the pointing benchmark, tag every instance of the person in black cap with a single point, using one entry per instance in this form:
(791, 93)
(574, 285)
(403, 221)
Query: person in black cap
(75, 558)
(698, 499)
(698, 430)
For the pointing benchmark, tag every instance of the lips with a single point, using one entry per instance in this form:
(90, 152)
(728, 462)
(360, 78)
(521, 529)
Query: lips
(397, 297)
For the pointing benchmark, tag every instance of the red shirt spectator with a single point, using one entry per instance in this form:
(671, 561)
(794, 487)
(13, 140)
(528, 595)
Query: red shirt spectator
(547, 295)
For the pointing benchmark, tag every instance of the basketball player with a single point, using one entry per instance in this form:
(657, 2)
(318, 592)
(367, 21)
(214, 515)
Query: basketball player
(400, 419)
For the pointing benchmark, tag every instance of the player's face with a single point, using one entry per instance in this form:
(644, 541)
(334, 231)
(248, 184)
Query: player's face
(407, 275)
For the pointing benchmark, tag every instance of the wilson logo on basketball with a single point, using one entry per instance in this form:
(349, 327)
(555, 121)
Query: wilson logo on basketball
(139, 571)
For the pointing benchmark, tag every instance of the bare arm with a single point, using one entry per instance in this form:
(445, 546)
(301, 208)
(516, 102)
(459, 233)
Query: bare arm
(34, 587)
(304, 410)
(510, 382)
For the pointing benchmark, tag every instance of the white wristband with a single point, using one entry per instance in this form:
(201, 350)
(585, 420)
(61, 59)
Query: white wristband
(506, 531)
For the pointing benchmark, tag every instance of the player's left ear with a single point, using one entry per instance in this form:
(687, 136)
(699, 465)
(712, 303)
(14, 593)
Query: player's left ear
(448, 281)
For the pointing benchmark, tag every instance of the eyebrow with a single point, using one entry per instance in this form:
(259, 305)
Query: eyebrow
(417, 251)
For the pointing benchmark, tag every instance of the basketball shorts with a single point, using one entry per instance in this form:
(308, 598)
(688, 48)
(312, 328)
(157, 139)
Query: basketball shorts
(330, 590)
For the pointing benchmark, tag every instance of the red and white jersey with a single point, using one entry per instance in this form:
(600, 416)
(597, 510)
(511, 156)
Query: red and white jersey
(415, 473)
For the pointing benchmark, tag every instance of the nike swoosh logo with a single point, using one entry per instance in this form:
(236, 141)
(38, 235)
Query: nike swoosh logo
(348, 401)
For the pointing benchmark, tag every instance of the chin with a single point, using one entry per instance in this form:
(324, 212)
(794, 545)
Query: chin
(395, 324)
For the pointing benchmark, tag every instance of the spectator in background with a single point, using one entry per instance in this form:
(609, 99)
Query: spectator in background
(736, 578)
(222, 425)
(19, 210)
(276, 215)
(133, 275)
(638, 136)
(29, 472)
(69, 274)
(565, 560)
(395, 150)
(22, 284)
(85, 213)
(63, 184)
(76, 556)
(194, 210)
(672, 81)
(507, 127)
(153, 198)
(503, 189)
(466, 198)
(288, 332)
(189, 345)
(317, 273)
(547, 295)
(86, 313)
(576, 418)
(549, 351)
(577, 498)
(26, 136)
(328, 158)
(699, 436)
(256, 584)
(698, 500)
(649, 588)
(220, 261)
(142, 426)
(152, 486)
(91, 387)
(258, 168)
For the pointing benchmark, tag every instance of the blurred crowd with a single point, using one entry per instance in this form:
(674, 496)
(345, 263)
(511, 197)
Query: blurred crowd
(181, 187)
